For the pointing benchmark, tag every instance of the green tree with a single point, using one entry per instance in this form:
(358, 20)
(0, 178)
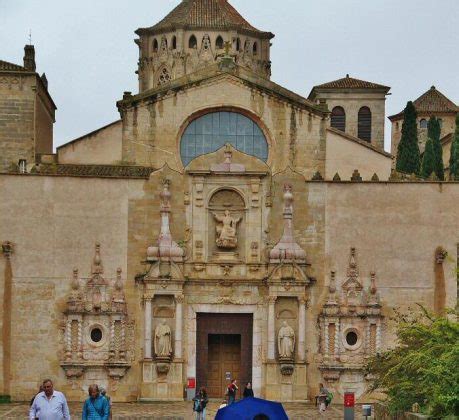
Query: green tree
(434, 133)
(454, 156)
(428, 160)
(423, 367)
(408, 155)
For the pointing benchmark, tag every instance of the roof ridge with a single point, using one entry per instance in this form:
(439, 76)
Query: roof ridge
(351, 82)
(6, 65)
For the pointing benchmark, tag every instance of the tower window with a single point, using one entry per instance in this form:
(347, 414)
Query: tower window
(155, 45)
(338, 118)
(174, 43)
(238, 44)
(423, 123)
(255, 48)
(364, 129)
(219, 43)
(440, 122)
(192, 43)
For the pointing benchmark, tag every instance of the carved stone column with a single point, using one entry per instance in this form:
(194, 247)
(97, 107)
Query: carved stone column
(271, 327)
(178, 325)
(148, 327)
(302, 328)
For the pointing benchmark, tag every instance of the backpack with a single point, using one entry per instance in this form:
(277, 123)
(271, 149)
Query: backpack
(329, 398)
(197, 406)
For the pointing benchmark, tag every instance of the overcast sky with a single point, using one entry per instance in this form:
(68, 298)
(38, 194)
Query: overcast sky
(87, 49)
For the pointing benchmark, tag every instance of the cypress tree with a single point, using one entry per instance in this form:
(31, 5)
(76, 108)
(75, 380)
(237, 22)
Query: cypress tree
(408, 155)
(434, 132)
(454, 157)
(428, 160)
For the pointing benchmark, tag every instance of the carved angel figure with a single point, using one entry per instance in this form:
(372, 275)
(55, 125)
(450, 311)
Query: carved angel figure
(226, 230)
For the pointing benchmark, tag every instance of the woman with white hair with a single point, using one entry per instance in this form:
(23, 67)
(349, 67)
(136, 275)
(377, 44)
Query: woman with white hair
(96, 406)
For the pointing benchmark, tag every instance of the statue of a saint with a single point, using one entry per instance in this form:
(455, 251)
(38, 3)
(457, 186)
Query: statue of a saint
(163, 347)
(227, 230)
(286, 341)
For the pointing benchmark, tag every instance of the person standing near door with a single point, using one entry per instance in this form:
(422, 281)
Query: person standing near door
(248, 391)
(200, 404)
(232, 390)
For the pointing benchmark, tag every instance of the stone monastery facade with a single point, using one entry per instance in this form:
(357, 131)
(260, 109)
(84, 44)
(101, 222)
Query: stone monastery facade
(224, 227)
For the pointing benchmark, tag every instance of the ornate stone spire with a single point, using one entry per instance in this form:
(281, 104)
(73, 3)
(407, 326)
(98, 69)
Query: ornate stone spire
(166, 249)
(287, 249)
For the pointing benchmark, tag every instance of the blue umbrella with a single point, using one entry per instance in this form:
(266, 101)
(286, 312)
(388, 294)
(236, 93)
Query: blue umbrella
(249, 408)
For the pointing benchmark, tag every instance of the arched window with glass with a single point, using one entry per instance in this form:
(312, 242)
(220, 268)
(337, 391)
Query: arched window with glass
(364, 124)
(423, 124)
(210, 132)
(338, 118)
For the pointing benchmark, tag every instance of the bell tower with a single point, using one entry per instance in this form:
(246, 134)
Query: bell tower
(194, 36)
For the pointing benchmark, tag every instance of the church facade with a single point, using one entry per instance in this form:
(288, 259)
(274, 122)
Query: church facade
(225, 227)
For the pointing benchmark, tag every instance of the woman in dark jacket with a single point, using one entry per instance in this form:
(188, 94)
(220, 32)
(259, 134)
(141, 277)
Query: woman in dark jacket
(200, 404)
(248, 391)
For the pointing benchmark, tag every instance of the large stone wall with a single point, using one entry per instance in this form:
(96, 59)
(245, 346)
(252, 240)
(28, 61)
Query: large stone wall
(54, 223)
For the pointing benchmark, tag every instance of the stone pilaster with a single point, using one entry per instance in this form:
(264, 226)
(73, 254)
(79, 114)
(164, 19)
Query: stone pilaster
(7, 250)
(302, 329)
(178, 325)
(271, 327)
(148, 327)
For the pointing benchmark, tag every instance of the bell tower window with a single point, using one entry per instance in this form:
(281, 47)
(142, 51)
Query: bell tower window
(365, 124)
(255, 48)
(338, 118)
(192, 42)
(155, 45)
(219, 43)
(174, 42)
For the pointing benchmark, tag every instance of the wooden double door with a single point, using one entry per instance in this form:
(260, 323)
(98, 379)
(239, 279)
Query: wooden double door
(223, 351)
(224, 362)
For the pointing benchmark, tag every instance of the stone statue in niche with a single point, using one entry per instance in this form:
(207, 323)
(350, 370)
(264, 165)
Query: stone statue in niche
(286, 342)
(163, 347)
(227, 230)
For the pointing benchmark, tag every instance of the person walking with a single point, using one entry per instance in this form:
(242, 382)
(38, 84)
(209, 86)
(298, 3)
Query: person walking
(103, 392)
(39, 390)
(96, 406)
(232, 390)
(322, 398)
(49, 404)
(248, 391)
(200, 403)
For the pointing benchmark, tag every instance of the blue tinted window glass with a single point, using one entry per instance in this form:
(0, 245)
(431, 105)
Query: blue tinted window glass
(212, 131)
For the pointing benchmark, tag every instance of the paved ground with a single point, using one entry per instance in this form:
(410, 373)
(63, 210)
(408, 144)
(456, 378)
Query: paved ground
(170, 411)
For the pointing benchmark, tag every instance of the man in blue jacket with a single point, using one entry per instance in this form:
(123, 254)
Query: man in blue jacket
(96, 407)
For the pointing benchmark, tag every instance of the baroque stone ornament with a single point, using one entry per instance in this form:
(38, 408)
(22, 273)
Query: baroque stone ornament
(351, 326)
(287, 249)
(226, 230)
(166, 249)
(98, 335)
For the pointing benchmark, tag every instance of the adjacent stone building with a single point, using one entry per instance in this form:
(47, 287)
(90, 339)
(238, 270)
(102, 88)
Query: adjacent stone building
(431, 103)
(225, 227)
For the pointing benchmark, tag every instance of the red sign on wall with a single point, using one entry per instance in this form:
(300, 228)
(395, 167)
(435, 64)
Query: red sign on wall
(191, 383)
(349, 399)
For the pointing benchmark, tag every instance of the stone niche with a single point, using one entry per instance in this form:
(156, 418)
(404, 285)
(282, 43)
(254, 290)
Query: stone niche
(226, 218)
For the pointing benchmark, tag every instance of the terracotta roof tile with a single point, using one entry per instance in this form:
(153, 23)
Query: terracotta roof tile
(431, 102)
(351, 83)
(212, 14)
(6, 66)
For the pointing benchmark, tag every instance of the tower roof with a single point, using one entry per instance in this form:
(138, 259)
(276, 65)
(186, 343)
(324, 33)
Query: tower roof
(431, 102)
(204, 14)
(347, 83)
